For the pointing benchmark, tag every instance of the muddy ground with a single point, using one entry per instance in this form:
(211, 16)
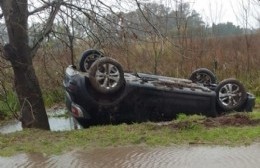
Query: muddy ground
(237, 120)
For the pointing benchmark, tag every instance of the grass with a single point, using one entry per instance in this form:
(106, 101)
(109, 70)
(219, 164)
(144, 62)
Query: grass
(8, 104)
(145, 134)
(53, 97)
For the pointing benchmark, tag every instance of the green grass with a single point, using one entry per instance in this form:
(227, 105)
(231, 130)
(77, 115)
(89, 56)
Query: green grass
(8, 104)
(53, 97)
(255, 115)
(145, 134)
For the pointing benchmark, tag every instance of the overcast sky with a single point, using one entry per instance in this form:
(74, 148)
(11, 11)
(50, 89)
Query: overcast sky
(217, 11)
(228, 11)
(212, 11)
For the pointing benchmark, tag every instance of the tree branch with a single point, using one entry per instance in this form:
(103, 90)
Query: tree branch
(48, 26)
(147, 20)
(41, 8)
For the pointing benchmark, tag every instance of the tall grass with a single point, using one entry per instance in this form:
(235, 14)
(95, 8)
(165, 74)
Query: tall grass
(225, 56)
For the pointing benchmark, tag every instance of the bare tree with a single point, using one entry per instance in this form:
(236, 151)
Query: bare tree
(245, 15)
(20, 50)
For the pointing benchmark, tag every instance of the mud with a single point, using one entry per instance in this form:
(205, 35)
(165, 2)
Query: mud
(237, 120)
(131, 157)
(232, 120)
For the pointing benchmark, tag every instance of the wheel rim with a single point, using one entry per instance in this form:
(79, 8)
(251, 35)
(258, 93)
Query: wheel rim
(203, 78)
(90, 59)
(230, 95)
(107, 76)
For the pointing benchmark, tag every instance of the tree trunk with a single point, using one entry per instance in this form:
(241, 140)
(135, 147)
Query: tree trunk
(18, 52)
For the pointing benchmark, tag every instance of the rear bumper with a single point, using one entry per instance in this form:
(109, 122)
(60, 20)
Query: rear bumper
(77, 111)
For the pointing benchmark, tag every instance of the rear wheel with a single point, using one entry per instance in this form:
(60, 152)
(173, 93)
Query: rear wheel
(203, 76)
(231, 94)
(88, 58)
(106, 75)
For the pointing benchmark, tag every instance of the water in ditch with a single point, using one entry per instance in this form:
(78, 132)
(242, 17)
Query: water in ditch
(59, 120)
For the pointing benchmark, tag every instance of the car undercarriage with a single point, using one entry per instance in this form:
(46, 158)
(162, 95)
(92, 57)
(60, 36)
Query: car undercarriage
(100, 92)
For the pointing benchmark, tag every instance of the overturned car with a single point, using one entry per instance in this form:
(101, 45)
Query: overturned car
(100, 92)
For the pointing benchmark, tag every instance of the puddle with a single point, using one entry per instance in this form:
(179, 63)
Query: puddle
(56, 122)
(132, 157)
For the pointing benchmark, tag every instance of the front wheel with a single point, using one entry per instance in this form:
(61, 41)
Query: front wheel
(203, 76)
(106, 75)
(231, 94)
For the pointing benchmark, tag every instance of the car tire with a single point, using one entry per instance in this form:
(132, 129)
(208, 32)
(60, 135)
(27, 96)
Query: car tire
(203, 76)
(88, 58)
(231, 95)
(106, 75)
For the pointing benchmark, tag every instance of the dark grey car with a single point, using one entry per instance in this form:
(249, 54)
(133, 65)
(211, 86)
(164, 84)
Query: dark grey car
(99, 92)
